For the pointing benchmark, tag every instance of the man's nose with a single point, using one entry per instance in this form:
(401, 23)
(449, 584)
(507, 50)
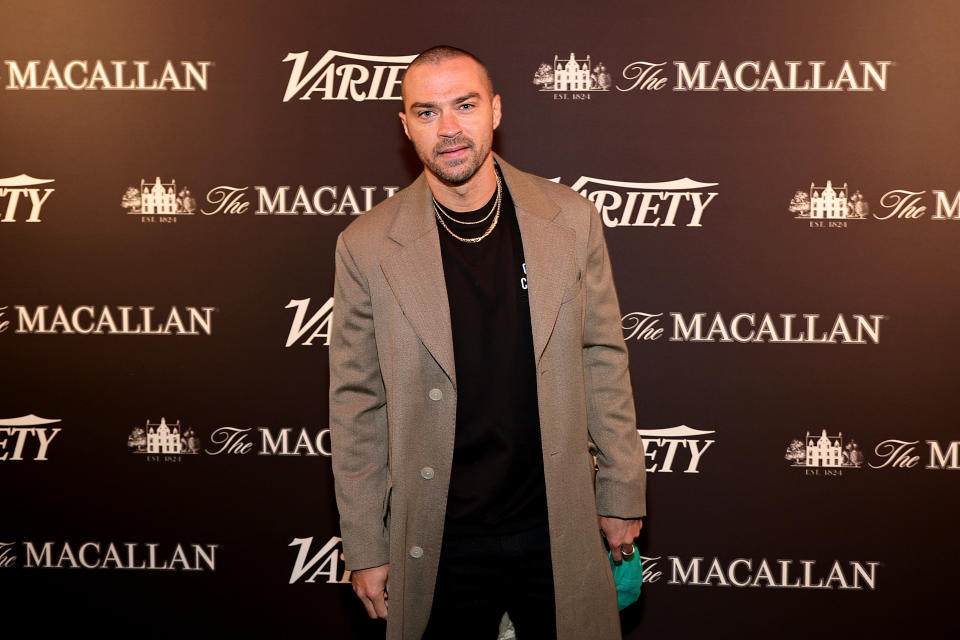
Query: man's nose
(449, 125)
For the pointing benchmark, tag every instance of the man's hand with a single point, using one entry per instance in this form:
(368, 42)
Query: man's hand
(370, 585)
(619, 533)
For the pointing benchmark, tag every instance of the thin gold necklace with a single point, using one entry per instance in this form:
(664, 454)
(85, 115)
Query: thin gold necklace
(441, 209)
(495, 210)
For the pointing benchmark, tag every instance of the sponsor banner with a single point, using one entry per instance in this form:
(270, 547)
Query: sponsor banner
(106, 320)
(906, 454)
(761, 572)
(23, 198)
(674, 203)
(572, 78)
(170, 440)
(320, 562)
(675, 448)
(26, 438)
(337, 75)
(824, 455)
(829, 455)
(833, 206)
(303, 330)
(101, 555)
(166, 202)
(749, 327)
(122, 75)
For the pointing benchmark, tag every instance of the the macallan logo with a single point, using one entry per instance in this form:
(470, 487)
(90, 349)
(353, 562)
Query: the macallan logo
(822, 454)
(26, 438)
(272, 442)
(749, 572)
(109, 555)
(833, 206)
(783, 328)
(572, 76)
(23, 197)
(159, 200)
(903, 204)
(317, 326)
(648, 204)
(674, 449)
(134, 75)
(828, 205)
(756, 75)
(164, 441)
(88, 319)
(324, 563)
(299, 200)
(165, 202)
(338, 75)
(903, 454)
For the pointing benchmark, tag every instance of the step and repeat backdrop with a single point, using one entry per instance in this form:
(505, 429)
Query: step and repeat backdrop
(780, 189)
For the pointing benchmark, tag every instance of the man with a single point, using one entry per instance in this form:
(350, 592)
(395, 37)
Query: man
(476, 351)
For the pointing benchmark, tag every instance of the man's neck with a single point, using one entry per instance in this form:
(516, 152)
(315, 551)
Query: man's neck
(470, 195)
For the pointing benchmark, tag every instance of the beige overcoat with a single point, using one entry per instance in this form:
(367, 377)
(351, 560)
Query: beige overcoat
(393, 393)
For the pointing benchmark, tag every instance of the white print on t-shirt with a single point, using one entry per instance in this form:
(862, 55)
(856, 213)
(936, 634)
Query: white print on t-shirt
(523, 280)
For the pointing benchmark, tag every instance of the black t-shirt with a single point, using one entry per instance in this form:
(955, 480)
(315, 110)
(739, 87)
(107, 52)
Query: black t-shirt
(497, 484)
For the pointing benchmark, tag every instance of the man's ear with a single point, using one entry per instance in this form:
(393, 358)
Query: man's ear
(403, 121)
(497, 111)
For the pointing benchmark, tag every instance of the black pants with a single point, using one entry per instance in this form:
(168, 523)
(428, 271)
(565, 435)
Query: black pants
(481, 578)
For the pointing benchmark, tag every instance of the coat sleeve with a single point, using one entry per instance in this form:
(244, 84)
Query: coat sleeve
(611, 417)
(358, 419)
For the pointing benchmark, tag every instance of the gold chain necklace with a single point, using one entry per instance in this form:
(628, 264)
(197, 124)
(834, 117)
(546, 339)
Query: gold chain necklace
(495, 210)
(441, 209)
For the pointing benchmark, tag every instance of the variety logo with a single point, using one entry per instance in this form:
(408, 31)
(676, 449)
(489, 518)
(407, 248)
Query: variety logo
(576, 75)
(88, 319)
(338, 75)
(661, 447)
(22, 193)
(25, 438)
(784, 328)
(110, 555)
(638, 204)
(828, 454)
(324, 563)
(135, 75)
(747, 572)
(165, 202)
(318, 325)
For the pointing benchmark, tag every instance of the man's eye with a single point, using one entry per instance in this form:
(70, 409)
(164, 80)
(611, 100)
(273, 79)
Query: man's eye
(466, 107)
(425, 114)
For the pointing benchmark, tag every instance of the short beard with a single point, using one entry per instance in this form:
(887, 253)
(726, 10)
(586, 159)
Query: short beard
(465, 169)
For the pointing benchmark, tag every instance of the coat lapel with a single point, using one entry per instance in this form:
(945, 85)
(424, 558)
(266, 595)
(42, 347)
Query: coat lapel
(548, 250)
(415, 274)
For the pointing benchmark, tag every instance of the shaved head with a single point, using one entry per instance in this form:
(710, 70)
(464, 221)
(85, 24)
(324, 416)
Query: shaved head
(439, 54)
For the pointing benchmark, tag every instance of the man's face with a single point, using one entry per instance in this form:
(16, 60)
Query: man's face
(449, 116)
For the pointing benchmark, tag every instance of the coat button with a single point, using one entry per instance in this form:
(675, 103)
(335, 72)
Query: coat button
(416, 552)
(427, 473)
(435, 394)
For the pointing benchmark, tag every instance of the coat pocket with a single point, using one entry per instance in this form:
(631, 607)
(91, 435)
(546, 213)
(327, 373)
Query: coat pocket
(385, 507)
